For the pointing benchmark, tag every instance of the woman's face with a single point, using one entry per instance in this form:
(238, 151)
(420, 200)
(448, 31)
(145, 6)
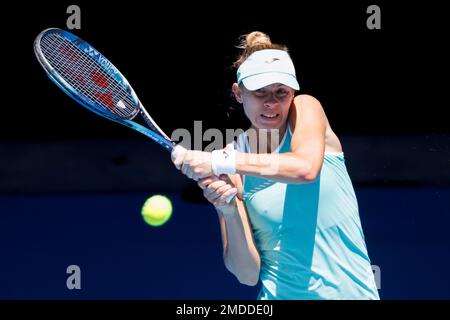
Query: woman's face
(268, 107)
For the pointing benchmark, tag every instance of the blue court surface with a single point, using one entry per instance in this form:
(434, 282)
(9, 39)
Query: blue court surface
(121, 257)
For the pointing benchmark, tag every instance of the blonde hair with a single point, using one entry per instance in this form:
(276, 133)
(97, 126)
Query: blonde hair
(252, 42)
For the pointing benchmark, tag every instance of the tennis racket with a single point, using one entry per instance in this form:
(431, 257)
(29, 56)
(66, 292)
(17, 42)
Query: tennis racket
(85, 75)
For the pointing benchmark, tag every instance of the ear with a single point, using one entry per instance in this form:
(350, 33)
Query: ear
(237, 92)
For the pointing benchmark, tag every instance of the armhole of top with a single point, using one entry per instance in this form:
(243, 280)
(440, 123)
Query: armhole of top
(241, 147)
(241, 144)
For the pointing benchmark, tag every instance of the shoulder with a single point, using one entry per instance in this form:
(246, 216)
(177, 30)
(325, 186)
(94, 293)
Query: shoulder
(307, 100)
(306, 108)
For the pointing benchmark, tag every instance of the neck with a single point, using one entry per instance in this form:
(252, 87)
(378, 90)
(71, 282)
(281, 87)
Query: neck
(267, 140)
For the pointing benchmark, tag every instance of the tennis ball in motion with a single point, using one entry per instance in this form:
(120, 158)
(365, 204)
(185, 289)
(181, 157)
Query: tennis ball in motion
(157, 210)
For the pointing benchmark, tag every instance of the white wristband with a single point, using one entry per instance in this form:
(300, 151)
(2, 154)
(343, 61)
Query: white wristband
(223, 161)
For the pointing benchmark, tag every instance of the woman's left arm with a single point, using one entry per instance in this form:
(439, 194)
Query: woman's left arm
(303, 163)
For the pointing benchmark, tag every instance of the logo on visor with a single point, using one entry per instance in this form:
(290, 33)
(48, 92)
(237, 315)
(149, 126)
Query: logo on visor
(272, 60)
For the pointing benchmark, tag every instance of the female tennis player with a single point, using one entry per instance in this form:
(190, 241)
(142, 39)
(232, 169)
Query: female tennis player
(294, 224)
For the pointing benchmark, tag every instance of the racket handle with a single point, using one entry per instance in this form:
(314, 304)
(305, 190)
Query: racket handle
(227, 200)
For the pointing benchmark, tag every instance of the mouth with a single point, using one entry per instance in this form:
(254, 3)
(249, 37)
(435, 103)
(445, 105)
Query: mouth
(270, 115)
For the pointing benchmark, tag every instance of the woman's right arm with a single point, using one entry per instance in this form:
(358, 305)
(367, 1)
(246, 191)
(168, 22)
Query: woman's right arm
(239, 251)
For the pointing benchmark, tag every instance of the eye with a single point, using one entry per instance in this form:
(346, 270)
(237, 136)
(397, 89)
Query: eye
(260, 92)
(282, 92)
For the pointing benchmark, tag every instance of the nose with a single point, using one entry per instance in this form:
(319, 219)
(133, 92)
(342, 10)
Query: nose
(271, 101)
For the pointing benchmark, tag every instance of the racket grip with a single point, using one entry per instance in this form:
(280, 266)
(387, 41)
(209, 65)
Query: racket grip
(227, 200)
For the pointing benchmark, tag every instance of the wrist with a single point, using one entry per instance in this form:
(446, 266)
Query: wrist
(223, 161)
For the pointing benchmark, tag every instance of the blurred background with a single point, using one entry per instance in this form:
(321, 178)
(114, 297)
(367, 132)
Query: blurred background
(72, 184)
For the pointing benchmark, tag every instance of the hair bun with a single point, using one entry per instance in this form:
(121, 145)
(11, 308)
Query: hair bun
(252, 42)
(256, 38)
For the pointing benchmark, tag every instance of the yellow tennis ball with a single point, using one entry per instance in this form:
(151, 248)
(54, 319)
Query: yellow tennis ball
(157, 210)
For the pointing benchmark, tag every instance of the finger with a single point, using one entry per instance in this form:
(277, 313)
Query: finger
(178, 161)
(215, 196)
(177, 155)
(212, 187)
(204, 182)
(211, 197)
(184, 168)
(177, 151)
(189, 173)
(219, 191)
(229, 194)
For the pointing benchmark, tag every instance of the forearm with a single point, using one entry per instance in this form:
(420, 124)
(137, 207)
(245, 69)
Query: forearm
(285, 167)
(240, 254)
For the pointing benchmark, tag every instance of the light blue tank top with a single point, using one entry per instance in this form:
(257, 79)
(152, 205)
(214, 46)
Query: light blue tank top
(309, 236)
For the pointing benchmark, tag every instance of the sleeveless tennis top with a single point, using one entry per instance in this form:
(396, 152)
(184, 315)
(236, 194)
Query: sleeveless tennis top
(309, 235)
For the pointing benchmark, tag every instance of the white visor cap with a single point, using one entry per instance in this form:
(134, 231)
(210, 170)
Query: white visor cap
(266, 67)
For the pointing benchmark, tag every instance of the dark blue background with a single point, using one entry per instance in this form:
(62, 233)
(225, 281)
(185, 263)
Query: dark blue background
(123, 258)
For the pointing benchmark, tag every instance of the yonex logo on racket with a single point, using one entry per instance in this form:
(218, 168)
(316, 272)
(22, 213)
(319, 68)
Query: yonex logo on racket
(91, 51)
(101, 59)
(107, 64)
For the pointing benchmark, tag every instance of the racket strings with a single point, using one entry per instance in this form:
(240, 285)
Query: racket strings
(90, 79)
(87, 76)
(73, 67)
